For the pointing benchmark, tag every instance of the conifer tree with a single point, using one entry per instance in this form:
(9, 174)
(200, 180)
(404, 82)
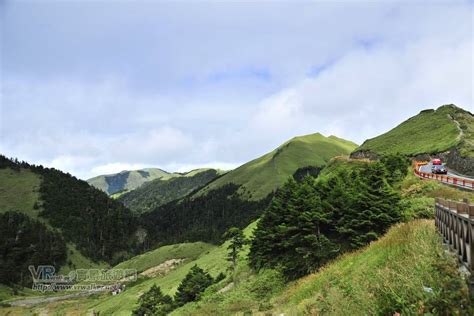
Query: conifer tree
(375, 206)
(154, 303)
(237, 241)
(192, 286)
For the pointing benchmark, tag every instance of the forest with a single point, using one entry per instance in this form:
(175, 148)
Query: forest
(314, 220)
(203, 218)
(99, 226)
(23, 242)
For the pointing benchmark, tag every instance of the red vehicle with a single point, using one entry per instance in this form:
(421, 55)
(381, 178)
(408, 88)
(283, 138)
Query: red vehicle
(436, 162)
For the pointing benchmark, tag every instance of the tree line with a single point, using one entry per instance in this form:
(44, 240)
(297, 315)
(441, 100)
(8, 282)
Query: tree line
(99, 226)
(314, 220)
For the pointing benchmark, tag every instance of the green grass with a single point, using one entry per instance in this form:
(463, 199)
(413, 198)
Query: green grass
(78, 261)
(388, 273)
(428, 132)
(19, 191)
(212, 260)
(466, 123)
(341, 164)
(263, 175)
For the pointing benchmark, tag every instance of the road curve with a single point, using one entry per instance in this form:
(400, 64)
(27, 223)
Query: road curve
(427, 168)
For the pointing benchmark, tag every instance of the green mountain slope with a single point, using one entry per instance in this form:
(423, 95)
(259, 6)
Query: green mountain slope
(239, 197)
(431, 131)
(263, 175)
(128, 180)
(15, 184)
(363, 282)
(447, 132)
(160, 191)
(94, 227)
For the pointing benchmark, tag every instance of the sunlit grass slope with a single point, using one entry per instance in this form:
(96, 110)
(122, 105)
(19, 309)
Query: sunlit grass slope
(390, 275)
(406, 271)
(149, 259)
(212, 259)
(265, 174)
(431, 131)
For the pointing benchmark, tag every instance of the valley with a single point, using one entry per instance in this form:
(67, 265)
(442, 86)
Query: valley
(319, 225)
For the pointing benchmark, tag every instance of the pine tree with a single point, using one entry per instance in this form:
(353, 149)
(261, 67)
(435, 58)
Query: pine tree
(236, 241)
(290, 235)
(154, 303)
(192, 286)
(375, 207)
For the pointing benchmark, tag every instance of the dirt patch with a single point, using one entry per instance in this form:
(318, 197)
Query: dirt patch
(162, 268)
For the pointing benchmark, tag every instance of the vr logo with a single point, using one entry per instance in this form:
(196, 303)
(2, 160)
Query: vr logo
(42, 273)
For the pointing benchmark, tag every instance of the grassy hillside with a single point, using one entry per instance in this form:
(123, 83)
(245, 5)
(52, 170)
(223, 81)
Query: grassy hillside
(388, 276)
(19, 191)
(127, 180)
(263, 175)
(189, 251)
(466, 123)
(90, 222)
(158, 192)
(431, 131)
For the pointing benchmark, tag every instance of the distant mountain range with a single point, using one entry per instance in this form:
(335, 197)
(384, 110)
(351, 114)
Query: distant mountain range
(160, 191)
(128, 180)
(201, 204)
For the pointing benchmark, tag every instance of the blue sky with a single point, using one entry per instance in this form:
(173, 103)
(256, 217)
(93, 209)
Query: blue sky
(100, 86)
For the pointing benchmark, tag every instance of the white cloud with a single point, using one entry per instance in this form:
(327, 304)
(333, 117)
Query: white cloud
(234, 84)
(115, 168)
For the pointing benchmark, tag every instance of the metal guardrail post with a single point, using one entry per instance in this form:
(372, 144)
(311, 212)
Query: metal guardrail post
(455, 222)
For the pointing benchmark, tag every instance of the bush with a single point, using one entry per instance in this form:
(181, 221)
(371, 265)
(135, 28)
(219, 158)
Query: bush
(192, 286)
(154, 303)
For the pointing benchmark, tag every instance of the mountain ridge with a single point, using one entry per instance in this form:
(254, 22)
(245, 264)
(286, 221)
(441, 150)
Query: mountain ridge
(266, 173)
(446, 132)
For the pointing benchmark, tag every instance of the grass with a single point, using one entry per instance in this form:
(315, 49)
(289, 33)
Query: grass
(466, 123)
(387, 276)
(76, 260)
(19, 191)
(190, 251)
(212, 260)
(428, 132)
(263, 175)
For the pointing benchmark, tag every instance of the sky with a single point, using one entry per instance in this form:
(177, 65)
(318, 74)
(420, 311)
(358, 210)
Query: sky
(96, 87)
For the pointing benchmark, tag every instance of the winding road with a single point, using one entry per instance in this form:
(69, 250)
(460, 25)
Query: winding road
(427, 168)
(452, 178)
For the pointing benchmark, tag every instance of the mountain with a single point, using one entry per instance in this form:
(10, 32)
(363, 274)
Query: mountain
(160, 191)
(447, 132)
(265, 174)
(128, 180)
(239, 196)
(89, 227)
